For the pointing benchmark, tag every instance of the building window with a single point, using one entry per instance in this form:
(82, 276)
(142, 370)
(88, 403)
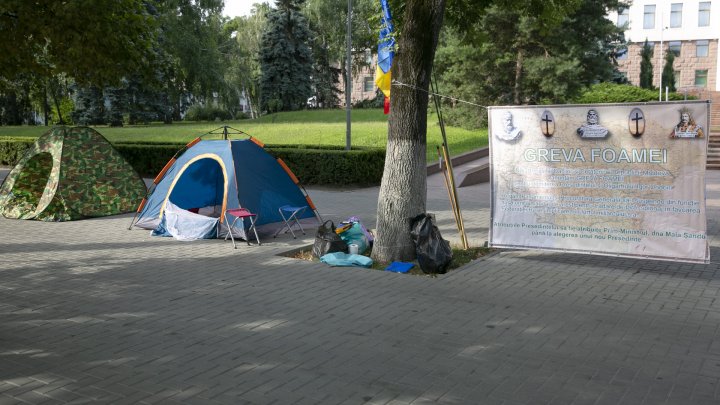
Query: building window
(704, 14)
(676, 15)
(649, 17)
(701, 78)
(674, 47)
(623, 17)
(701, 49)
(368, 84)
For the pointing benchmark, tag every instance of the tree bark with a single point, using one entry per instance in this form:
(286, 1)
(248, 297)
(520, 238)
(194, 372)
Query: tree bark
(56, 101)
(46, 106)
(403, 191)
(518, 76)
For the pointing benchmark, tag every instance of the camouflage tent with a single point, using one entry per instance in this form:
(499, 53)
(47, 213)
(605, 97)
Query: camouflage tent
(70, 173)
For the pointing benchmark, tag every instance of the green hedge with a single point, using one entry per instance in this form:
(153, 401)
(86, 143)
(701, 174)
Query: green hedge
(622, 93)
(312, 164)
(334, 167)
(147, 159)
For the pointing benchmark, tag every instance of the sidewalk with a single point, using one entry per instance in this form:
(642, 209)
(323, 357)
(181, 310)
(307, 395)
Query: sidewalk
(94, 313)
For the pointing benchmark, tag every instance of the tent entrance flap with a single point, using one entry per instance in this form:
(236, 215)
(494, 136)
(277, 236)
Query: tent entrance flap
(202, 182)
(29, 187)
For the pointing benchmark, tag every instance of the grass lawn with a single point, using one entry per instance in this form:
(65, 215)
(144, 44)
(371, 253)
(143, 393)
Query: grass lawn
(311, 127)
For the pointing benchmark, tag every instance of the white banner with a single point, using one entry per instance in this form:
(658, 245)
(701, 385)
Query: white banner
(613, 179)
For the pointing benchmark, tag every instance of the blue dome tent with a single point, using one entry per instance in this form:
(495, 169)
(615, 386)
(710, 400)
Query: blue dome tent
(209, 177)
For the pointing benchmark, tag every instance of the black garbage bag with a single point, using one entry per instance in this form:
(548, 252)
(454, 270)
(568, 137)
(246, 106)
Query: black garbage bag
(433, 252)
(327, 241)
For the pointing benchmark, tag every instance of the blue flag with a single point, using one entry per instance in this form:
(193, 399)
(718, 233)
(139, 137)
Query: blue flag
(386, 51)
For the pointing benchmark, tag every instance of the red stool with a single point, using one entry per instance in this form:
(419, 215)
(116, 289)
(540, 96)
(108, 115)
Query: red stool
(241, 214)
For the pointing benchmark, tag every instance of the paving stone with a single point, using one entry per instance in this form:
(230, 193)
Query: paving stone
(94, 313)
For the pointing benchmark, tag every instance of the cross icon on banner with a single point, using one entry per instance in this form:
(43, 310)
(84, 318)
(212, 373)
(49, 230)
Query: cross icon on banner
(638, 119)
(547, 118)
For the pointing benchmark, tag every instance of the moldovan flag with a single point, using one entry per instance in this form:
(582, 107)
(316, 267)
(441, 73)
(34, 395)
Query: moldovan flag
(386, 51)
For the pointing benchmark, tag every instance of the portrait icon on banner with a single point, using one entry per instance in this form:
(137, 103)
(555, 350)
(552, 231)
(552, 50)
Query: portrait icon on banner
(687, 128)
(592, 128)
(507, 130)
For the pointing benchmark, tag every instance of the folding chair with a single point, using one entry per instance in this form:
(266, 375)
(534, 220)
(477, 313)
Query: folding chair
(289, 214)
(241, 214)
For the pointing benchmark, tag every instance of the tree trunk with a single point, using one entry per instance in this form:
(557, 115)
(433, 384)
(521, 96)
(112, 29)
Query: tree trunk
(403, 191)
(46, 105)
(518, 76)
(53, 93)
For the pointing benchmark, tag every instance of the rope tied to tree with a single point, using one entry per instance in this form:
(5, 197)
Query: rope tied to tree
(397, 83)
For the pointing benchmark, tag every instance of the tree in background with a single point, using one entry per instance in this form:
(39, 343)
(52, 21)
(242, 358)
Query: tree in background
(668, 73)
(15, 104)
(58, 90)
(89, 106)
(328, 22)
(646, 68)
(93, 41)
(285, 59)
(116, 98)
(243, 73)
(146, 102)
(192, 67)
(188, 67)
(325, 77)
(525, 53)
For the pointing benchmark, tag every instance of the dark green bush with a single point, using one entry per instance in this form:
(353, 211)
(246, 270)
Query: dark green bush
(207, 113)
(622, 93)
(312, 164)
(463, 116)
(12, 150)
(377, 102)
(147, 159)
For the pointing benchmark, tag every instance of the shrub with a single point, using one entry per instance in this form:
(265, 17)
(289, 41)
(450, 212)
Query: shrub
(377, 102)
(12, 150)
(463, 116)
(147, 159)
(66, 108)
(207, 113)
(621, 93)
(360, 166)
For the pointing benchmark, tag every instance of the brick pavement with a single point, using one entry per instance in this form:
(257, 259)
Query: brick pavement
(93, 313)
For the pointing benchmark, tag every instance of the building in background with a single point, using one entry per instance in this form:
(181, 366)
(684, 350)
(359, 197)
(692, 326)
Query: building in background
(690, 29)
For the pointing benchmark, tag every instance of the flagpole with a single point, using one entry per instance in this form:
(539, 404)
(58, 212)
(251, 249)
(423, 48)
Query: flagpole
(348, 83)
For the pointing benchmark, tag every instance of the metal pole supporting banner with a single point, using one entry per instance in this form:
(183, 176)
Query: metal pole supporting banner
(348, 81)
